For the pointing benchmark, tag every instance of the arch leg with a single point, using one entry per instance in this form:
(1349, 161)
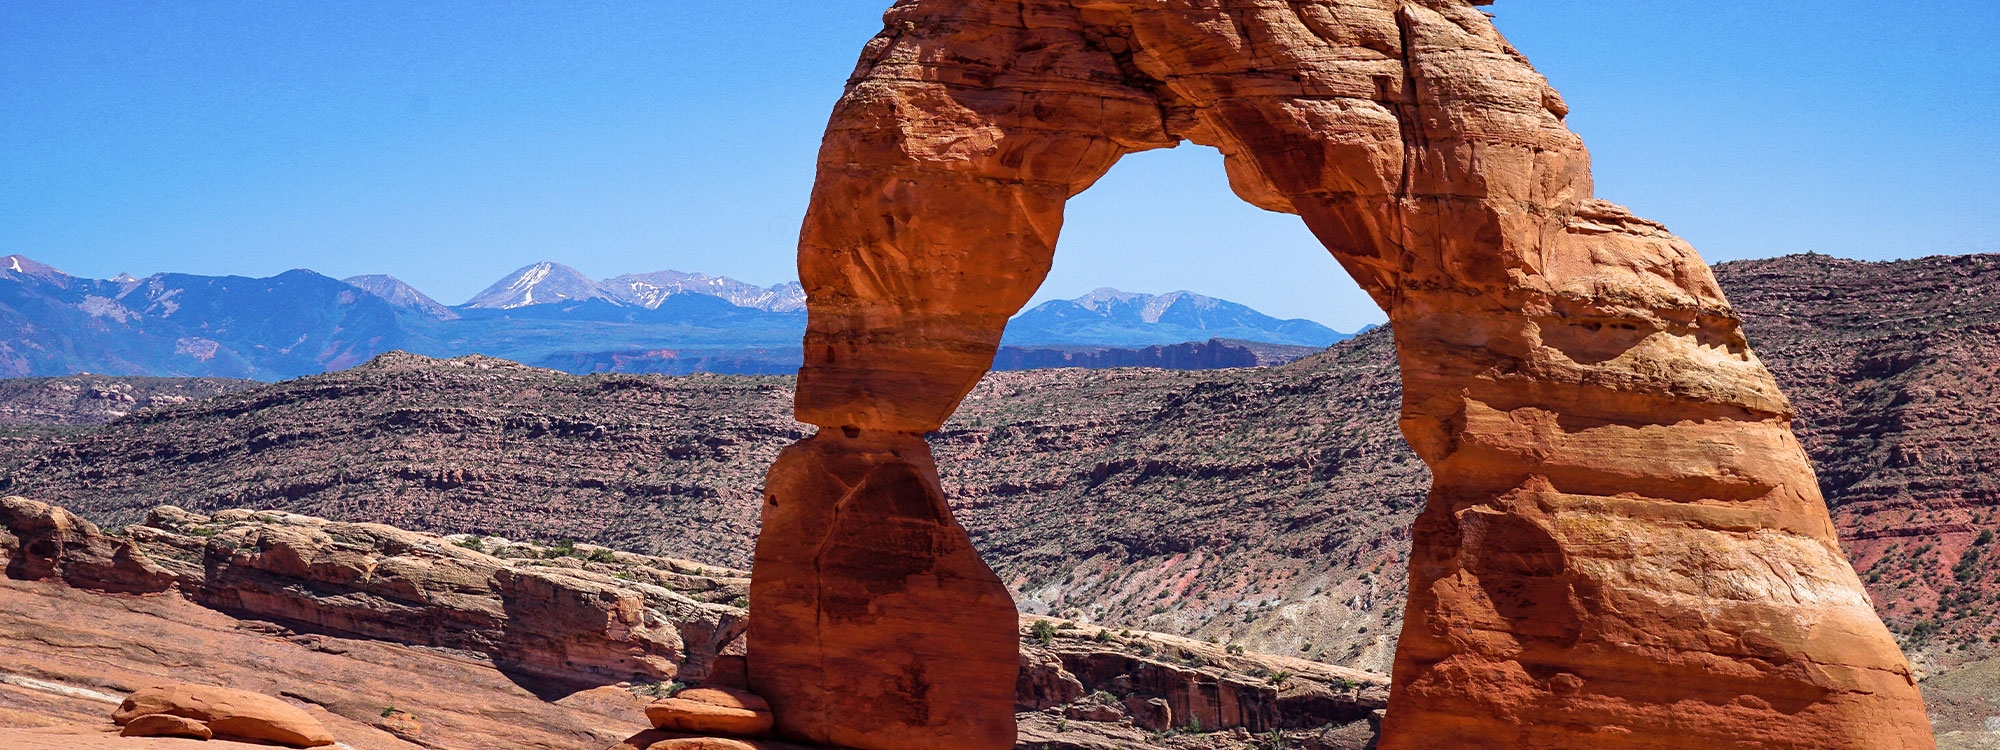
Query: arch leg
(941, 186)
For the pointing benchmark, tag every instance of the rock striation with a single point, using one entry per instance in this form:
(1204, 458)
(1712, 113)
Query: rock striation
(1623, 543)
(1082, 685)
(69, 652)
(716, 710)
(539, 615)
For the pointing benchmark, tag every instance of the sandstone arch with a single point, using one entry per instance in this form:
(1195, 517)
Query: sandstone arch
(1624, 543)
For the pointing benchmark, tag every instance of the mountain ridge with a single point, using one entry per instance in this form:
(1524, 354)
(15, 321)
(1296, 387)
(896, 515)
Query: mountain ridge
(302, 323)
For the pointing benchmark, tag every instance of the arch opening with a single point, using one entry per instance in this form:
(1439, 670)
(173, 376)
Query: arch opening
(1165, 220)
(1620, 525)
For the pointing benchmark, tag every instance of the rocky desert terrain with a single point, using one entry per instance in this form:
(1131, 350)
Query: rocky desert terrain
(1265, 508)
(397, 639)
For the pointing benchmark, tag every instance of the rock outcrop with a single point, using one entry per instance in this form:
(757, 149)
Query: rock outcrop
(589, 616)
(1083, 685)
(328, 647)
(1623, 543)
(39, 541)
(712, 710)
(218, 712)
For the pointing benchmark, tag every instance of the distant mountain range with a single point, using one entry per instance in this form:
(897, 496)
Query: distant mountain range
(1108, 317)
(546, 314)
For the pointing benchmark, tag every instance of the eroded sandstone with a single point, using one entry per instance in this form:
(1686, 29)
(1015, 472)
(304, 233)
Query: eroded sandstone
(70, 654)
(1623, 543)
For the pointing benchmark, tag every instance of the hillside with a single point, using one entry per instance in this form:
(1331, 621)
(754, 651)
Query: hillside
(96, 399)
(1263, 506)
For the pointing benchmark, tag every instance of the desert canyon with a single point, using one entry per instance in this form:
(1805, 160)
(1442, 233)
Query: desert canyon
(1601, 527)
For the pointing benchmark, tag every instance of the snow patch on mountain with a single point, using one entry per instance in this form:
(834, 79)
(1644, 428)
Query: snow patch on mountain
(537, 284)
(648, 290)
(1110, 317)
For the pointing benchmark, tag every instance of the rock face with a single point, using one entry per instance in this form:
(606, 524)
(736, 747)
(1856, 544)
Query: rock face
(434, 676)
(539, 615)
(1102, 681)
(1623, 543)
(877, 623)
(39, 541)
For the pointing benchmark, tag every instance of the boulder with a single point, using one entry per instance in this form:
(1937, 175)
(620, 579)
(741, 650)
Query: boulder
(227, 714)
(166, 725)
(711, 709)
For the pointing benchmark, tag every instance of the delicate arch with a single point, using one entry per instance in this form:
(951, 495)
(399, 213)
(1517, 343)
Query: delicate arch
(1623, 542)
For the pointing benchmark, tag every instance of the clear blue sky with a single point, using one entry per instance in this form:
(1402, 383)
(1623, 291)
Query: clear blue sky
(448, 143)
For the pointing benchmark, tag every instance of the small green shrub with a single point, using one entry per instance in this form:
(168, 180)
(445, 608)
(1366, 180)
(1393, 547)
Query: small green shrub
(659, 689)
(1042, 631)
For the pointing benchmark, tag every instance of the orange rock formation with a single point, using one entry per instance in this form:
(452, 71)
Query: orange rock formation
(222, 712)
(1624, 545)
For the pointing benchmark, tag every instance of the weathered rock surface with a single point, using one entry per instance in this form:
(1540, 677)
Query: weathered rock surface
(592, 616)
(1623, 541)
(1088, 686)
(167, 725)
(38, 541)
(67, 655)
(661, 739)
(877, 623)
(222, 712)
(712, 710)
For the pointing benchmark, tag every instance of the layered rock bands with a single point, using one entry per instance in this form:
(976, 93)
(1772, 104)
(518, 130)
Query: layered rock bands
(1624, 544)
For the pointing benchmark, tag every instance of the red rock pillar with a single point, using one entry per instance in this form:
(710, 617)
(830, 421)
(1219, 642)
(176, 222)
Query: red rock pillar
(941, 186)
(1624, 545)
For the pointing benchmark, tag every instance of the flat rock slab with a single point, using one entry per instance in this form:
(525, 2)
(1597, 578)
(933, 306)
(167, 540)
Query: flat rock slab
(657, 739)
(106, 738)
(709, 710)
(67, 658)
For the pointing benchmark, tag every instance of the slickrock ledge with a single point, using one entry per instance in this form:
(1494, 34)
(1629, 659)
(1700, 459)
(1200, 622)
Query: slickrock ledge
(300, 608)
(585, 615)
